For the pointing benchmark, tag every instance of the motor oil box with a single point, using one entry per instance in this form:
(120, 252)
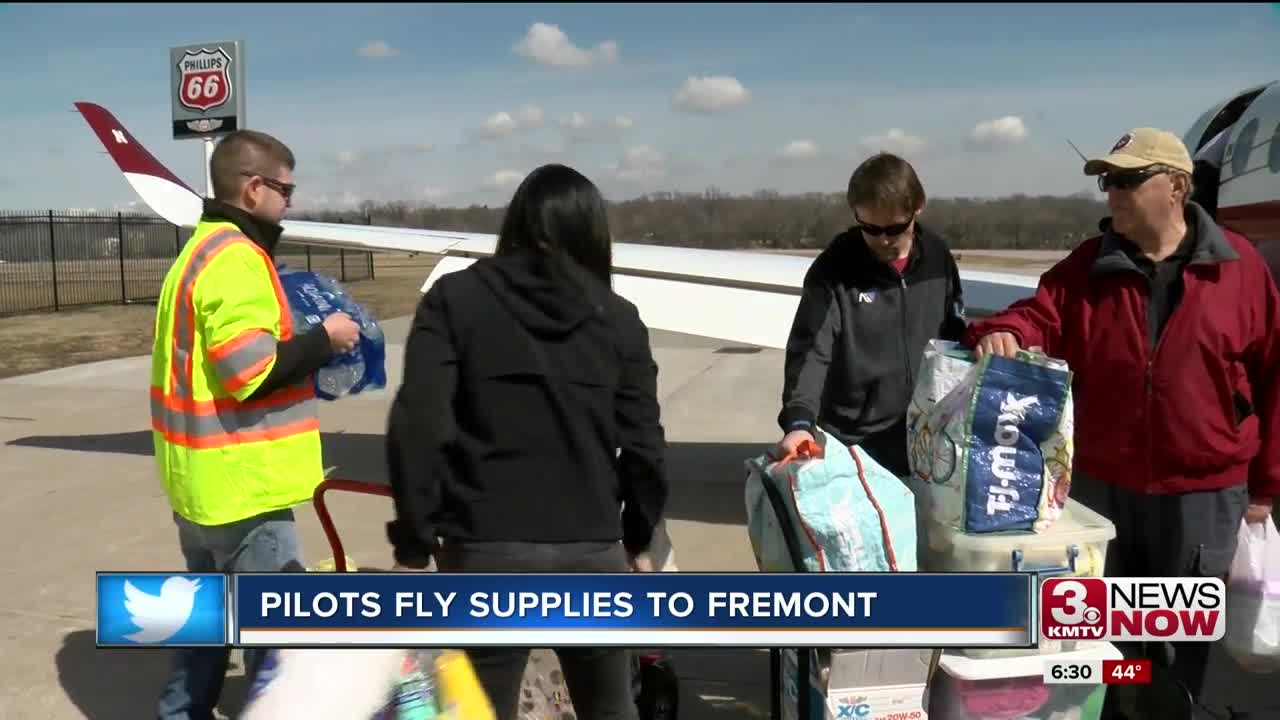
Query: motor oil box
(866, 684)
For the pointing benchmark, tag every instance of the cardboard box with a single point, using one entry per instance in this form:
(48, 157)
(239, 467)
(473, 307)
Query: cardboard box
(857, 684)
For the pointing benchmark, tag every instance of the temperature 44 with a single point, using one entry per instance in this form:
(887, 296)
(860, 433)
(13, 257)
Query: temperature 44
(1126, 672)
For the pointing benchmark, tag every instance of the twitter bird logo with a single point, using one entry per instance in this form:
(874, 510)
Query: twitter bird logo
(153, 609)
(160, 617)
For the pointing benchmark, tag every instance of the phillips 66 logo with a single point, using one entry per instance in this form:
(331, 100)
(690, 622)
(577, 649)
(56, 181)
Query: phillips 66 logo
(205, 80)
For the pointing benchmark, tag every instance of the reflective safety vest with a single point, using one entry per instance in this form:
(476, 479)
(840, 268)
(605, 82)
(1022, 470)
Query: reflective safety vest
(222, 457)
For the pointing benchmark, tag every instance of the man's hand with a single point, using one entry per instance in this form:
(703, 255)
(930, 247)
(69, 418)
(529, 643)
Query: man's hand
(1003, 344)
(792, 440)
(343, 332)
(1259, 510)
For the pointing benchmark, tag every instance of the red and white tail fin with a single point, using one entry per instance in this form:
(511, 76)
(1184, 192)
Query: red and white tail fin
(159, 188)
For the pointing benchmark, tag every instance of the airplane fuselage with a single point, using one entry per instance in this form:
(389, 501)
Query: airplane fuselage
(1249, 182)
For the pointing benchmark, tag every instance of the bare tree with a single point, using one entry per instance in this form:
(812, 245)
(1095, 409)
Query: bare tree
(767, 219)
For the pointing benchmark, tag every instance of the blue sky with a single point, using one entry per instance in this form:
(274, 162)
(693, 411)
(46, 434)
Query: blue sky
(406, 102)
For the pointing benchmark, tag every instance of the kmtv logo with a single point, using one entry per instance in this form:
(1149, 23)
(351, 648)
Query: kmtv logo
(1133, 609)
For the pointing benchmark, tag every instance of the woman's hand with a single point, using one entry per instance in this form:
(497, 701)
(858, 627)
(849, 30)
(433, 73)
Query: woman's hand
(641, 563)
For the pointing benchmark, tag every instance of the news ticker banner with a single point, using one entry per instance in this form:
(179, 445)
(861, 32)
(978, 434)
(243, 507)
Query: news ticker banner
(652, 609)
(548, 610)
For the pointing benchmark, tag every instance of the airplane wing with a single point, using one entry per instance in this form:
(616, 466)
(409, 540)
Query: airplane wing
(737, 296)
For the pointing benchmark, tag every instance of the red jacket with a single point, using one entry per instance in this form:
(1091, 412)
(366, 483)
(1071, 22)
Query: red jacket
(1202, 412)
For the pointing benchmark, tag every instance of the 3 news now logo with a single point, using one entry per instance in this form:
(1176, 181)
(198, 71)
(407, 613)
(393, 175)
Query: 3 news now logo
(1133, 609)
(165, 609)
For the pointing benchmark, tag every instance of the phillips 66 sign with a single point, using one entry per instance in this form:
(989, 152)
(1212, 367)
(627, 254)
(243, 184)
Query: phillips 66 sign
(206, 89)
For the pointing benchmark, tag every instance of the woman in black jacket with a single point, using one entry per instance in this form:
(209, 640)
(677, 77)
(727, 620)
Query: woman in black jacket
(526, 435)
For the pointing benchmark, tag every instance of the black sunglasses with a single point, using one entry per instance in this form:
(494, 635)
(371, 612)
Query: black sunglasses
(285, 189)
(1125, 179)
(878, 230)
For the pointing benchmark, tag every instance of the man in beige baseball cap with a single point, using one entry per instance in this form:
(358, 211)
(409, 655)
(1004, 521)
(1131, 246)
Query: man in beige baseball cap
(1163, 319)
(1147, 178)
(1142, 148)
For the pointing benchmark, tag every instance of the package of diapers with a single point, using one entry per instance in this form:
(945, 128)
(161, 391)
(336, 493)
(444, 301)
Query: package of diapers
(991, 449)
(837, 510)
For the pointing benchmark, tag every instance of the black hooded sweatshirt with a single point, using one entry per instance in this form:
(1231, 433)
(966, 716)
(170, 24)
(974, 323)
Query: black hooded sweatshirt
(528, 412)
(857, 339)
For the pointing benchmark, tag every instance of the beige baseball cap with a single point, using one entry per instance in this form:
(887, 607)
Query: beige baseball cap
(1140, 148)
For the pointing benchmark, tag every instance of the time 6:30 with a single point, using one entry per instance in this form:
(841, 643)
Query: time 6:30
(1071, 672)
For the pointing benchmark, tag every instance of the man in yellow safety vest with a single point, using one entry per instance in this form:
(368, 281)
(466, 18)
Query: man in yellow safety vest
(233, 412)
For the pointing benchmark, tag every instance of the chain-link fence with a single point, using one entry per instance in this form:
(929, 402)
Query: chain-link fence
(53, 260)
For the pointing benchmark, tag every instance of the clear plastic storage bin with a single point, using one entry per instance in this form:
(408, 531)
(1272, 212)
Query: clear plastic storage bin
(965, 688)
(1050, 553)
(1075, 545)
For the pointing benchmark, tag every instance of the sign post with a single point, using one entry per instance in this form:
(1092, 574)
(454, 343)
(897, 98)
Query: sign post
(208, 167)
(206, 92)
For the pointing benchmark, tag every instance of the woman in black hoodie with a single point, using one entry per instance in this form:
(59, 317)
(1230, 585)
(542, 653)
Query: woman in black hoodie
(526, 435)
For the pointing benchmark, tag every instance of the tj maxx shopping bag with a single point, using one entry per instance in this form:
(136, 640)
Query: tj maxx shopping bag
(836, 506)
(990, 440)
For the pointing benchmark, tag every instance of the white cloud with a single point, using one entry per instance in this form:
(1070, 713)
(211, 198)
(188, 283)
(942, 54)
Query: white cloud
(499, 124)
(503, 180)
(545, 151)
(434, 194)
(378, 49)
(549, 45)
(574, 121)
(503, 123)
(580, 127)
(799, 150)
(711, 94)
(529, 116)
(374, 158)
(896, 141)
(638, 164)
(1001, 132)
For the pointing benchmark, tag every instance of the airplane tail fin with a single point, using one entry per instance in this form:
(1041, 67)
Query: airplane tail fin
(159, 188)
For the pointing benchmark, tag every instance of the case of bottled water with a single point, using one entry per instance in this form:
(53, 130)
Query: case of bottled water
(312, 298)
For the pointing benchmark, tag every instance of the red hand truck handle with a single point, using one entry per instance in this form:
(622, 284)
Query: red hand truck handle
(326, 520)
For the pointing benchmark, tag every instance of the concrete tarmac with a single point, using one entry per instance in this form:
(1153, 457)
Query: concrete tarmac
(80, 495)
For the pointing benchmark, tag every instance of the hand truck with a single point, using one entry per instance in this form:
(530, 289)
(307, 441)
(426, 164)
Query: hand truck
(654, 681)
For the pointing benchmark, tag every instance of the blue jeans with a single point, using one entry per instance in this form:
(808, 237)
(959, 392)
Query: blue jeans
(265, 543)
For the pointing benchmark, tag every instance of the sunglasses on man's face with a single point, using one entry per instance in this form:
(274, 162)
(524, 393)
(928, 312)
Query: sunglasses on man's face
(878, 230)
(285, 189)
(1125, 179)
